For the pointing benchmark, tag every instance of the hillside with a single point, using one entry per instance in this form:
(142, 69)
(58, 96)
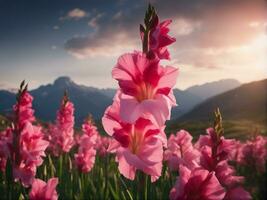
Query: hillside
(93, 100)
(7, 100)
(214, 88)
(185, 102)
(246, 102)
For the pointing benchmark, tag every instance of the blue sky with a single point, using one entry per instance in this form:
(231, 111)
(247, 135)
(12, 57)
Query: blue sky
(43, 39)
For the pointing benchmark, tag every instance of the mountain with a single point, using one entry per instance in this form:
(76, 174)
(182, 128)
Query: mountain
(7, 100)
(47, 99)
(109, 92)
(210, 89)
(192, 96)
(247, 102)
(86, 99)
(93, 100)
(185, 102)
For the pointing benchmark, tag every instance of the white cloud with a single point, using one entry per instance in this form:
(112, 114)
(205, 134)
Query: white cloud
(254, 24)
(180, 26)
(76, 14)
(56, 27)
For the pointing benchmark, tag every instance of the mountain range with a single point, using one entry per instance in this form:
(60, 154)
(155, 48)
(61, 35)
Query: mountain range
(93, 100)
(247, 102)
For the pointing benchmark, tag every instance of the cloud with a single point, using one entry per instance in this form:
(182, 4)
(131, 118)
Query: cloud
(182, 27)
(83, 47)
(203, 29)
(55, 27)
(118, 15)
(94, 21)
(75, 14)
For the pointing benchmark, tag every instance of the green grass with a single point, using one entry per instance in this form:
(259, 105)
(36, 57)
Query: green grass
(238, 129)
(105, 181)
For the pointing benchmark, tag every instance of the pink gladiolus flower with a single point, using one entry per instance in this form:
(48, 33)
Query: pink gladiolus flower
(52, 135)
(254, 153)
(85, 158)
(145, 85)
(61, 134)
(181, 151)
(32, 145)
(140, 144)
(32, 148)
(214, 149)
(44, 191)
(215, 153)
(23, 144)
(159, 39)
(65, 123)
(23, 109)
(198, 184)
(237, 193)
(225, 174)
(6, 139)
(102, 145)
(237, 154)
(24, 174)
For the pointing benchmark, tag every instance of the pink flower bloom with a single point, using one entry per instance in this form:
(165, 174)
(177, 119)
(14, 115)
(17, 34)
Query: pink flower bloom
(32, 148)
(23, 144)
(3, 161)
(32, 145)
(6, 139)
(237, 193)
(159, 39)
(181, 151)
(51, 134)
(61, 135)
(140, 144)
(102, 145)
(85, 158)
(65, 124)
(24, 174)
(236, 154)
(144, 86)
(215, 153)
(44, 191)
(226, 175)
(254, 153)
(23, 109)
(90, 130)
(214, 149)
(198, 184)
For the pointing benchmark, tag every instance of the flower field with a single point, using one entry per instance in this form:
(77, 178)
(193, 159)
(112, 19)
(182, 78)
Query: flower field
(132, 158)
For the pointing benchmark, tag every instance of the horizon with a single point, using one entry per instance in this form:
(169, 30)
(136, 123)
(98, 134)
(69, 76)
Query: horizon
(83, 41)
(14, 90)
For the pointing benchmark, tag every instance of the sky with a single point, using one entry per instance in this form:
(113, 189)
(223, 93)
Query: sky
(41, 40)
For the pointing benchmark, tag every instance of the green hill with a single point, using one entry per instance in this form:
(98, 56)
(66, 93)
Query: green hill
(243, 109)
(247, 102)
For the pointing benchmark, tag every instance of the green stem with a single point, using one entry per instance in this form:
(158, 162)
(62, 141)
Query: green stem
(145, 186)
(60, 165)
(145, 42)
(106, 176)
(126, 188)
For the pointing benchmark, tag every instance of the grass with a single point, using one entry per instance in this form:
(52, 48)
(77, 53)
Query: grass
(238, 129)
(105, 181)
